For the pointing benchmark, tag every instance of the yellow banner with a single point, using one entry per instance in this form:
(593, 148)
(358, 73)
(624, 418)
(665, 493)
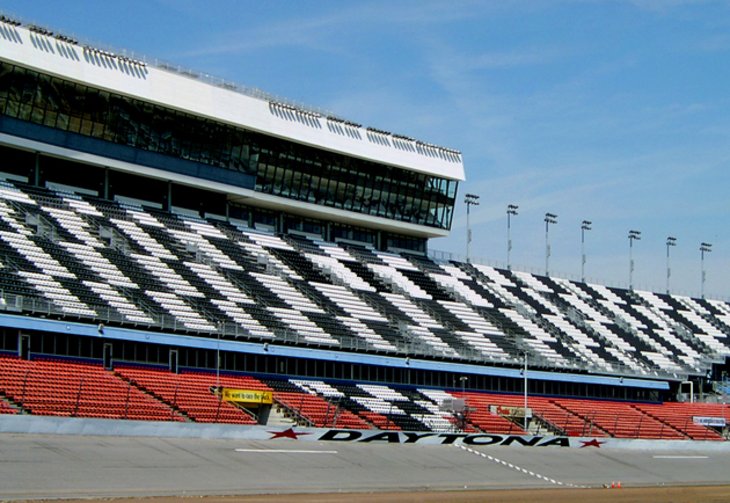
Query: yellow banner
(247, 396)
(506, 410)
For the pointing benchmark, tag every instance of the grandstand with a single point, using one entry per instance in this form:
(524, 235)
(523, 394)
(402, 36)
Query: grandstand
(164, 236)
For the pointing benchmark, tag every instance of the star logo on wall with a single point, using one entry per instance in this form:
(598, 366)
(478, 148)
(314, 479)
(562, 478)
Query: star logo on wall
(591, 443)
(290, 433)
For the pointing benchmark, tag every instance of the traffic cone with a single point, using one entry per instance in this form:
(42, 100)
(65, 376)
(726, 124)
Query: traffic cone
(618, 485)
(613, 485)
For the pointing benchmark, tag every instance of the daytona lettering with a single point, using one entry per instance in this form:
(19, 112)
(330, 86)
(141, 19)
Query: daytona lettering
(399, 437)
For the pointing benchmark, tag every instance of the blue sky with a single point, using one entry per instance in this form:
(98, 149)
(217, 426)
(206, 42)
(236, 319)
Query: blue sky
(610, 111)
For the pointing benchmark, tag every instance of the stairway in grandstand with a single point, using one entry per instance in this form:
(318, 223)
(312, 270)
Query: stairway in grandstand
(80, 257)
(8, 406)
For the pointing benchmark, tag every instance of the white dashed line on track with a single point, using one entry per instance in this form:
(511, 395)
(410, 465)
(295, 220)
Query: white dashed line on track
(285, 451)
(680, 457)
(518, 468)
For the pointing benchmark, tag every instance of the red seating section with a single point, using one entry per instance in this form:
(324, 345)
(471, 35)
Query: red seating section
(621, 419)
(679, 416)
(598, 418)
(5, 408)
(190, 393)
(567, 421)
(61, 388)
(480, 416)
(379, 420)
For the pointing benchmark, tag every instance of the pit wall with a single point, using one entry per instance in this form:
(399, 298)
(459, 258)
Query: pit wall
(22, 424)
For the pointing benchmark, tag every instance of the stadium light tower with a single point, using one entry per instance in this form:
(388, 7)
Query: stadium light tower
(511, 211)
(704, 247)
(671, 241)
(584, 226)
(633, 236)
(470, 200)
(550, 218)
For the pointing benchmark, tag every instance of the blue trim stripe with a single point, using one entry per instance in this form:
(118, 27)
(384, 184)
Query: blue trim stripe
(257, 348)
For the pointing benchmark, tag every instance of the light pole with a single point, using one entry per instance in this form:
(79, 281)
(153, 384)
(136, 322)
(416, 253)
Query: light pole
(550, 218)
(463, 418)
(511, 211)
(633, 236)
(671, 241)
(218, 359)
(470, 200)
(584, 226)
(524, 415)
(704, 247)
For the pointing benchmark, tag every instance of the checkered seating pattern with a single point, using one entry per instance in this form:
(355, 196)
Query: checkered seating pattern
(81, 257)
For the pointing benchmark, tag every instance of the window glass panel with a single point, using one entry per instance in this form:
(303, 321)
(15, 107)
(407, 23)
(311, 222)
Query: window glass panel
(281, 167)
(277, 180)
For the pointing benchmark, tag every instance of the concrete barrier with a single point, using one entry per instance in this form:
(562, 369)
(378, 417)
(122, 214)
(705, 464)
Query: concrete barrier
(49, 425)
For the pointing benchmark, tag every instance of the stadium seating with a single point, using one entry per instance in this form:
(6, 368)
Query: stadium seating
(60, 387)
(597, 418)
(384, 406)
(680, 417)
(84, 257)
(79, 257)
(6, 408)
(620, 419)
(190, 393)
(302, 400)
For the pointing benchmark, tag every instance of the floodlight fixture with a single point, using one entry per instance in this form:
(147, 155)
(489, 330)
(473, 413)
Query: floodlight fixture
(671, 241)
(511, 212)
(585, 225)
(470, 200)
(550, 218)
(704, 248)
(634, 235)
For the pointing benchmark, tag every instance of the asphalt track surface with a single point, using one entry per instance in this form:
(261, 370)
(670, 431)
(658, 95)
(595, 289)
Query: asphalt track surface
(70, 467)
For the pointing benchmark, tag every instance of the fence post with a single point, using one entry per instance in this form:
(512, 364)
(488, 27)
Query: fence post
(126, 405)
(174, 401)
(25, 383)
(337, 413)
(78, 398)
